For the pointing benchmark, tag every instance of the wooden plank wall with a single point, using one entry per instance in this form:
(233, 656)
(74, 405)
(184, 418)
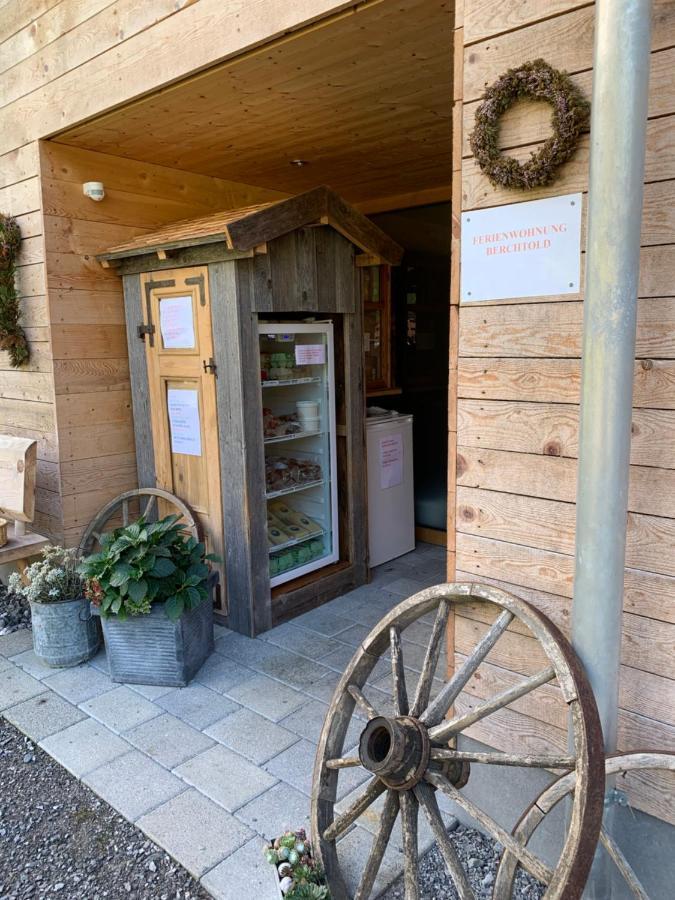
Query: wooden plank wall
(518, 368)
(89, 344)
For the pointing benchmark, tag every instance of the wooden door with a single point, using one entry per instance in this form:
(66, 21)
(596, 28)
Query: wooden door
(182, 388)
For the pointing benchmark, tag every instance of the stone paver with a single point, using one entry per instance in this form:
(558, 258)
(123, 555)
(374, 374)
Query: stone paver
(308, 722)
(252, 735)
(295, 766)
(16, 686)
(5, 664)
(196, 831)
(355, 635)
(150, 691)
(220, 673)
(134, 784)
(120, 709)
(245, 874)
(100, 660)
(277, 810)
(168, 740)
(225, 777)
(196, 705)
(300, 640)
(324, 621)
(296, 671)
(266, 696)
(33, 665)
(353, 852)
(43, 715)
(84, 746)
(79, 684)
(16, 642)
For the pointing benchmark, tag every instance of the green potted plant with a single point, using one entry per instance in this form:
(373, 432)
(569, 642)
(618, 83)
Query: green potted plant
(152, 587)
(298, 875)
(64, 633)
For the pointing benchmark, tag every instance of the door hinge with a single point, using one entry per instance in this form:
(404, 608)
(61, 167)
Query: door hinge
(210, 366)
(142, 330)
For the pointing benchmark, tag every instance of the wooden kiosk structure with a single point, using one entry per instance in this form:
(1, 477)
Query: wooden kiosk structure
(205, 299)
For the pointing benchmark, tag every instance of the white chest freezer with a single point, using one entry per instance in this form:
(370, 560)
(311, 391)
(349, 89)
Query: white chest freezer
(391, 494)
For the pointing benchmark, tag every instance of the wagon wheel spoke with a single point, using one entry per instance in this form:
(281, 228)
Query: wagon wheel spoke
(397, 672)
(437, 709)
(149, 505)
(430, 805)
(423, 692)
(542, 761)
(97, 535)
(441, 734)
(623, 866)
(409, 810)
(125, 513)
(339, 825)
(528, 860)
(387, 819)
(343, 762)
(364, 704)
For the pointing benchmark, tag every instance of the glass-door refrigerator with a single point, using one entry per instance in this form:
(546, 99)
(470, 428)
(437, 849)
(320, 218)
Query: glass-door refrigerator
(297, 380)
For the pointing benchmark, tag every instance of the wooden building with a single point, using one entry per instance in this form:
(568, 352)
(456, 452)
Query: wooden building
(183, 109)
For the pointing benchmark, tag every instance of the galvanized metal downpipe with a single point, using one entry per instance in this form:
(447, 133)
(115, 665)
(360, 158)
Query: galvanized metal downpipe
(618, 124)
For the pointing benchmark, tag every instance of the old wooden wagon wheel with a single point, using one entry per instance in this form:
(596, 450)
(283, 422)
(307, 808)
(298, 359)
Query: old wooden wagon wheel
(118, 512)
(408, 755)
(616, 764)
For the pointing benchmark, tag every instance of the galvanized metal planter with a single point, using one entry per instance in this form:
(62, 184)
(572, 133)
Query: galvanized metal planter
(64, 633)
(152, 649)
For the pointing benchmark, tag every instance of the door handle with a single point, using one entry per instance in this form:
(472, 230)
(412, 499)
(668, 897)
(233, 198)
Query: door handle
(210, 366)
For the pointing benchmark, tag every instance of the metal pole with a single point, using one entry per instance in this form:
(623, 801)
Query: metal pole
(618, 121)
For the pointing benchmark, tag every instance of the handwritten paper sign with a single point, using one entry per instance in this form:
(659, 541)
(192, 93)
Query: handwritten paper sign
(528, 249)
(186, 435)
(391, 461)
(176, 323)
(310, 354)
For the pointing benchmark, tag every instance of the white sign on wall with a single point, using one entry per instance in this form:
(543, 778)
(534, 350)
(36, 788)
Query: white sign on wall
(528, 249)
(183, 408)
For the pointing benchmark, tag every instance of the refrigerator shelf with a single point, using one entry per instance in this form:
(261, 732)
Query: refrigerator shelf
(289, 381)
(294, 489)
(292, 437)
(276, 548)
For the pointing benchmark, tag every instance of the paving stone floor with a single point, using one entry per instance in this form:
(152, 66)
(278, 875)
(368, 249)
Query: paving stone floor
(210, 770)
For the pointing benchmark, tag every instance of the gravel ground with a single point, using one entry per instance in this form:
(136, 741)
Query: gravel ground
(14, 612)
(58, 839)
(479, 856)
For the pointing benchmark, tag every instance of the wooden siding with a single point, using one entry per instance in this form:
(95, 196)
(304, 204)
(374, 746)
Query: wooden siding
(515, 421)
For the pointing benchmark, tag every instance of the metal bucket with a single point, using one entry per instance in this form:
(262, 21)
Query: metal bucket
(64, 633)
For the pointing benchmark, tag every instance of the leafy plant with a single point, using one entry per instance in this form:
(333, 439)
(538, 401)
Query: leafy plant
(301, 876)
(145, 563)
(51, 579)
(12, 336)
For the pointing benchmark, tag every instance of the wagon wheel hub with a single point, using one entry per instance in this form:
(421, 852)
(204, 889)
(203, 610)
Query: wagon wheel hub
(396, 750)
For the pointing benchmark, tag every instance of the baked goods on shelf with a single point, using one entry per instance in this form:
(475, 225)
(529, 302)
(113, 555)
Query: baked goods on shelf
(288, 471)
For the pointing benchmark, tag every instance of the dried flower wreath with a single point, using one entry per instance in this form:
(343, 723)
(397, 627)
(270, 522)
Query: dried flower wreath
(535, 80)
(12, 337)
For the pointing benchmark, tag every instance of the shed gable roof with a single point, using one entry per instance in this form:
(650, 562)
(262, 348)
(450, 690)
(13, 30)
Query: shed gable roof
(250, 226)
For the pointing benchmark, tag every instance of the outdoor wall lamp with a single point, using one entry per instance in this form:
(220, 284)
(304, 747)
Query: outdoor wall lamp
(94, 190)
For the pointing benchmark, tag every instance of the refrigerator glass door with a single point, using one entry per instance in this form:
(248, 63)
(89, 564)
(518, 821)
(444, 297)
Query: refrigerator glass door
(298, 397)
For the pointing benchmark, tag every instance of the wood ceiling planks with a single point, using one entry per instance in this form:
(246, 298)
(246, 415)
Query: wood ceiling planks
(366, 100)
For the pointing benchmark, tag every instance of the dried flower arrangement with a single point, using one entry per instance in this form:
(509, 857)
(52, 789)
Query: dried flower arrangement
(12, 336)
(300, 875)
(536, 80)
(51, 579)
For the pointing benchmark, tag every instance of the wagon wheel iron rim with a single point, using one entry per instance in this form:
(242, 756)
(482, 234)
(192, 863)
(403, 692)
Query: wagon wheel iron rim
(148, 500)
(408, 756)
(615, 764)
